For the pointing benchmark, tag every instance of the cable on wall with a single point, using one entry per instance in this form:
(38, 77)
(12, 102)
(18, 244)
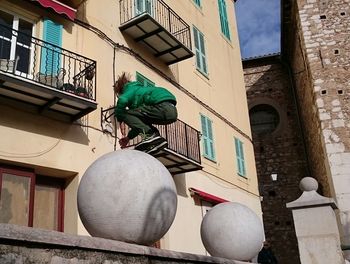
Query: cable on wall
(131, 52)
(114, 100)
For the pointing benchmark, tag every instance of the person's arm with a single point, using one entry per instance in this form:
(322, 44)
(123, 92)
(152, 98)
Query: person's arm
(120, 108)
(124, 100)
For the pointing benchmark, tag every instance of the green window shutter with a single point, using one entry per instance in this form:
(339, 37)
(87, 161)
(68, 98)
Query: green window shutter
(207, 136)
(197, 48)
(223, 18)
(198, 2)
(204, 135)
(240, 157)
(51, 55)
(201, 61)
(143, 80)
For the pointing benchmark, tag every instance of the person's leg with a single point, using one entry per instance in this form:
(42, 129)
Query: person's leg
(141, 120)
(161, 114)
(136, 122)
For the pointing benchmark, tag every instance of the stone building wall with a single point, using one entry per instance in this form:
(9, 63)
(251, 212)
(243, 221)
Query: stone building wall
(319, 52)
(280, 152)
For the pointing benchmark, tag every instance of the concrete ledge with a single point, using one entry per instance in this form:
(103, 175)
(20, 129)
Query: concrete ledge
(30, 245)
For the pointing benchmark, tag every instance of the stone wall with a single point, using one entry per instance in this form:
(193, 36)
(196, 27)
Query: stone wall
(281, 152)
(319, 52)
(25, 245)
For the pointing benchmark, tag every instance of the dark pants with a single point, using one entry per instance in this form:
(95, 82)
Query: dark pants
(141, 119)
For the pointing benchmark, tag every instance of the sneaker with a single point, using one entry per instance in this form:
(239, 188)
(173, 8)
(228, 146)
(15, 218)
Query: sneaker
(152, 139)
(153, 150)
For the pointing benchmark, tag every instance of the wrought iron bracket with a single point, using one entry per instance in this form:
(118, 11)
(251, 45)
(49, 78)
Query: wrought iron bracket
(107, 124)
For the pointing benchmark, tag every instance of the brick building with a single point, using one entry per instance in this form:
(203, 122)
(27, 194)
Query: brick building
(308, 82)
(279, 149)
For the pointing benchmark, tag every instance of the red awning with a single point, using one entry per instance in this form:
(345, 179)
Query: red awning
(59, 8)
(207, 197)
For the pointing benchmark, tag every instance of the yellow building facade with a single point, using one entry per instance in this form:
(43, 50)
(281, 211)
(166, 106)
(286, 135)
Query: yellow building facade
(59, 60)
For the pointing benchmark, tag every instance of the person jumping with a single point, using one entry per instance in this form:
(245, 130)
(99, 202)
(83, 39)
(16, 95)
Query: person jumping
(140, 107)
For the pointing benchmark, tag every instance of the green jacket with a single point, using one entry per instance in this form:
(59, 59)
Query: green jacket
(136, 95)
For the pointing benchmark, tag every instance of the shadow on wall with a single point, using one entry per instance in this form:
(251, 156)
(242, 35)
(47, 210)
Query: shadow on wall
(180, 183)
(160, 216)
(154, 62)
(41, 125)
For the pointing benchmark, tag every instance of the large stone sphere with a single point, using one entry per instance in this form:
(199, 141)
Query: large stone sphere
(233, 231)
(127, 195)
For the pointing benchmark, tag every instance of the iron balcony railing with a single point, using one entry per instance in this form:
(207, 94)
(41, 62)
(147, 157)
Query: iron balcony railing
(182, 139)
(161, 12)
(30, 58)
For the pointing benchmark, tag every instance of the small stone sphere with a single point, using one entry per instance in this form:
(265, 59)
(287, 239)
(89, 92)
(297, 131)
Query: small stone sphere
(308, 184)
(233, 231)
(127, 195)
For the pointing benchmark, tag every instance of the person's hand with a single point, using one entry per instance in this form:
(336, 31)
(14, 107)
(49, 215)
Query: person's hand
(123, 128)
(123, 142)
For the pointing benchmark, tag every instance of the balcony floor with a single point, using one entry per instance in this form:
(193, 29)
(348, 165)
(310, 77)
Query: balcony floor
(176, 163)
(43, 99)
(144, 28)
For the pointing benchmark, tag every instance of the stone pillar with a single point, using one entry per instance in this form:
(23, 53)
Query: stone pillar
(316, 226)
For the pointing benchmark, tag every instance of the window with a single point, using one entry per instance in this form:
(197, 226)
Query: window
(264, 119)
(197, 2)
(51, 54)
(240, 157)
(144, 6)
(207, 137)
(143, 80)
(31, 200)
(201, 61)
(223, 18)
(13, 44)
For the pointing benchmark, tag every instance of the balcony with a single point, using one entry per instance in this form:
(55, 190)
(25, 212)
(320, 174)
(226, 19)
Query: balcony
(155, 24)
(183, 151)
(44, 78)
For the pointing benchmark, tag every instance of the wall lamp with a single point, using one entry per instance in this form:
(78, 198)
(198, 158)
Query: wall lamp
(274, 176)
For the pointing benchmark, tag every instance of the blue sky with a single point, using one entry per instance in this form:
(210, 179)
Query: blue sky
(259, 26)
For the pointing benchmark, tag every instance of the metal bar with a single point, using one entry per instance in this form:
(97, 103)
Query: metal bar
(48, 64)
(150, 34)
(48, 104)
(164, 15)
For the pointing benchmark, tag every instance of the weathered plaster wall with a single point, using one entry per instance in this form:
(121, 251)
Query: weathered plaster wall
(22, 245)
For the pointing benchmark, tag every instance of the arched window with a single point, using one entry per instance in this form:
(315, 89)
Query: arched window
(264, 119)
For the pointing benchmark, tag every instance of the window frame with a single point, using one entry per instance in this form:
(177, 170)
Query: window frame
(240, 160)
(146, 6)
(34, 181)
(208, 142)
(59, 185)
(224, 23)
(200, 53)
(14, 41)
(22, 173)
